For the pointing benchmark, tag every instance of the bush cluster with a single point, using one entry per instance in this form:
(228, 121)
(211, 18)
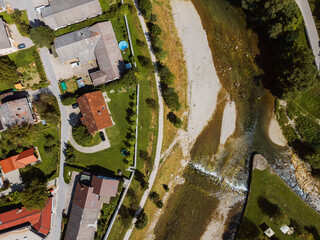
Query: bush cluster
(42, 74)
(155, 198)
(22, 26)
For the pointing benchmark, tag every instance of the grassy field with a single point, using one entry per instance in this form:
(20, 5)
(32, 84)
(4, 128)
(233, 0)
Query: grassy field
(294, 212)
(22, 57)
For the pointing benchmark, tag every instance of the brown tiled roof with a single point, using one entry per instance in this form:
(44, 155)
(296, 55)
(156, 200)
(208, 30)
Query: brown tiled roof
(103, 186)
(18, 161)
(95, 114)
(39, 219)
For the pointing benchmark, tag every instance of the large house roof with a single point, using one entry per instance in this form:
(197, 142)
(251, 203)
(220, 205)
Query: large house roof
(15, 112)
(61, 13)
(40, 220)
(24, 232)
(87, 202)
(18, 161)
(95, 114)
(4, 40)
(97, 42)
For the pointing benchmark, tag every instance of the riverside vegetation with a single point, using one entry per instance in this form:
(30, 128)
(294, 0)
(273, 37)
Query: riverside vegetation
(290, 74)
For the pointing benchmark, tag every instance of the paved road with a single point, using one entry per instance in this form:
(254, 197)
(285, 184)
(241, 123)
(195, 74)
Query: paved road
(160, 127)
(59, 201)
(26, 5)
(311, 29)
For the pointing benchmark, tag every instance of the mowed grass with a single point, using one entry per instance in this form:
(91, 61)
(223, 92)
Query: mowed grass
(111, 158)
(22, 57)
(189, 209)
(8, 19)
(309, 100)
(293, 209)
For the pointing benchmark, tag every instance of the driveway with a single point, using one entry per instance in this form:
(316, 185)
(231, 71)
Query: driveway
(27, 5)
(18, 38)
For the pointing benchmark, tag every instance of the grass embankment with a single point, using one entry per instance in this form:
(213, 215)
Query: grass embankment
(293, 211)
(147, 130)
(175, 62)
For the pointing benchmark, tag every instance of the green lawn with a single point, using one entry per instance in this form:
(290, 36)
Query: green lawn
(22, 57)
(104, 5)
(6, 17)
(119, 27)
(111, 158)
(294, 212)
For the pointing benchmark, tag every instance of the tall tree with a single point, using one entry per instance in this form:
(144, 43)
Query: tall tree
(42, 36)
(8, 72)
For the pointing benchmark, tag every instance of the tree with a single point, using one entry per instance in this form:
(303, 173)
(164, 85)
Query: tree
(42, 36)
(8, 71)
(35, 195)
(145, 62)
(47, 106)
(174, 120)
(170, 98)
(159, 204)
(146, 8)
(166, 76)
(154, 29)
(165, 187)
(81, 135)
(142, 220)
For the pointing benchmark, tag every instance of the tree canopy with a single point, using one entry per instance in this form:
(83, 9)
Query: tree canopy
(8, 71)
(42, 36)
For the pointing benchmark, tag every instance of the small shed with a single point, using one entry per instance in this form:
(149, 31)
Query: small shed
(286, 229)
(64, 86)
(269, 232)
(80, 82)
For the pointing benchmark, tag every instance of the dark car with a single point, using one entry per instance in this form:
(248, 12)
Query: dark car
(75, 105)
(21, 46)
(102, 136)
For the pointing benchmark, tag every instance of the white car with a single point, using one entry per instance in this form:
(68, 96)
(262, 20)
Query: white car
(75, 64)
(38, 9)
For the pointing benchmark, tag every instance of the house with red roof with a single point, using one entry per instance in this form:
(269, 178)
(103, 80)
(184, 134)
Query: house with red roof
(94, 110)
(37, 221)
(10, 166)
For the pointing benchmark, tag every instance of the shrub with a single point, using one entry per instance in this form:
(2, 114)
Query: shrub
(170, 98)
(152, 103)
(146, 8)
(174, 120)
(140, 43)
(159, 204)
(142, 220)
(81, 135)
(166, 76)
(145, 62)
(154, 29)
(165, 187)
(153, 18)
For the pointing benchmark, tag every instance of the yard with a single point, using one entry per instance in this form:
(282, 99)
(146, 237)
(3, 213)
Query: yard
(111, 159)
(294, 212)
(29, 66)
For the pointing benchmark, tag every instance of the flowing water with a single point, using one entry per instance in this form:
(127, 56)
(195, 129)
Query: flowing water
(235, 48)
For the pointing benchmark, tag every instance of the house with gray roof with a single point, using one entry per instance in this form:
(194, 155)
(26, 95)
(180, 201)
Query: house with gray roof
(15, 112)
(6, 42)
(95, 43)
(90, 193)
(61, 13)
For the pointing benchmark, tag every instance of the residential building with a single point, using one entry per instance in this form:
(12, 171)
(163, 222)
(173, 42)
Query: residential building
(16, 111)
(6, 40)
(60, 13)
(94, 110)
(23, 233)
(10, 166)
(90, 193)
(95, 43)
(37, 221)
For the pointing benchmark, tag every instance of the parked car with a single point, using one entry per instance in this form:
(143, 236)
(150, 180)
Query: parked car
(75, 64)
(102, 136)
(21, 46)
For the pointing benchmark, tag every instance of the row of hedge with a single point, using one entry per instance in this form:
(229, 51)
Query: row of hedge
(43, 77)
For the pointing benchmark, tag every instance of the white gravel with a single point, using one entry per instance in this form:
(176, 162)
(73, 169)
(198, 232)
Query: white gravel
(228, 122)
(203, 82)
